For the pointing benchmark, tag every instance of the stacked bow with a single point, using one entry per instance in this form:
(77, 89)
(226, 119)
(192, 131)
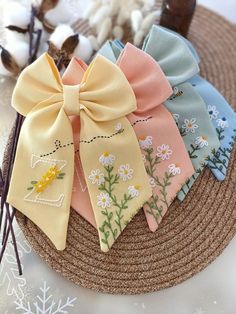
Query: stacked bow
(129, 131)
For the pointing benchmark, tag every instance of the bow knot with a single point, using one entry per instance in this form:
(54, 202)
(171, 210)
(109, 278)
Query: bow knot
(71, 100)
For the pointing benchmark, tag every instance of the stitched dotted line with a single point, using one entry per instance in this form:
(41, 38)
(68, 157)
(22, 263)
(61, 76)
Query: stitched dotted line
(101, 136)
(58, 146)
(176, 95)
(141, 120)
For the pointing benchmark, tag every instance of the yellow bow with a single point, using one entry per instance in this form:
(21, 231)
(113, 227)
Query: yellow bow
(42, 178)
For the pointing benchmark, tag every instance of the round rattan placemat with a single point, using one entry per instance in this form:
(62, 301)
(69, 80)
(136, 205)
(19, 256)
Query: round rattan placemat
(191, 235)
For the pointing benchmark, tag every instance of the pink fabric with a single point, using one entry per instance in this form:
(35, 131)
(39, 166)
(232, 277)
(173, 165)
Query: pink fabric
(154, 126)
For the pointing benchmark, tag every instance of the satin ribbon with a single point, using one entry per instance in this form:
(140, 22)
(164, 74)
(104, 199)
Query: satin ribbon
(189, 109)
(42, 178)
(166, 158)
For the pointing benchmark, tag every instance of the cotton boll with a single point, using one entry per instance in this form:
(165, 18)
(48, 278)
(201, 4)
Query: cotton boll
(13, 36)
(122, 17)
(118, 32)
(138, 37)
(15, 14)
(94, 42)
(105, 30)
(136, 20)
(60, 34)
(149, 20)
(84, 49)
(19, 51)
(62, 13)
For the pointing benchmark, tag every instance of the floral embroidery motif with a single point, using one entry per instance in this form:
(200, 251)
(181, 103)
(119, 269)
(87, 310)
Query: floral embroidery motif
(201, 141)
(125, 172)
(156, 204)
(107, 180)
(190, 125)
(213, 113)
(145, 142)
(174, 169)
(96, 177)
(47, 179)
(133, 190)
(223, 123)
(104, 200)
(164, 152)
(107, 159)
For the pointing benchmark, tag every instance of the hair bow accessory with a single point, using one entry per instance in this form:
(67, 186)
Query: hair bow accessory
(188, 108)
(42, 178)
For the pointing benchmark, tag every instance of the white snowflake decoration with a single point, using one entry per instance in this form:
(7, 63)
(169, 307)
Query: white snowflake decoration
(45, 304)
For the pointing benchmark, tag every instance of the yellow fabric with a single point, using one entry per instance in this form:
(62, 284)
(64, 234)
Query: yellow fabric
(42, 178)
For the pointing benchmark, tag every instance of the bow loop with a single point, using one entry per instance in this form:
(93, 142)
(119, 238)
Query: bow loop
(71, 100)
(172, 54)
(147, 79)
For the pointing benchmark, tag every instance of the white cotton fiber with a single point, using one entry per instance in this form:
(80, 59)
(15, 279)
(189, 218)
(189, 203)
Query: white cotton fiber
(19, 51)
(60, 34)
(15, 14)
(84, 49)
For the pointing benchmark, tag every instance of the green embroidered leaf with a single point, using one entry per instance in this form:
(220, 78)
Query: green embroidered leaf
(30, 188)
(60, 178)
(61, 174)
(34, 182)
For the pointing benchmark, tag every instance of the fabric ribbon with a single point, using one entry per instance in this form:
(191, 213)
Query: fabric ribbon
(42, 178)
(189, 109)
(166, 158)
(222, 116)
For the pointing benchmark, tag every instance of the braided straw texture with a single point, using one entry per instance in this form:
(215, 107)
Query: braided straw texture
(191, 235)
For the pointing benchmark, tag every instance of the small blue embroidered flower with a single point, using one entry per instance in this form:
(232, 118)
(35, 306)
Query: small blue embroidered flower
(223, 123)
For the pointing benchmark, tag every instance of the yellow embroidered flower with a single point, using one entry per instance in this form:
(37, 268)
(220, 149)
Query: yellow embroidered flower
(47, 179)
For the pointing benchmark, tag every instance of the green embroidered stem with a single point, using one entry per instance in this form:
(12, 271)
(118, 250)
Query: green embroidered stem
(220, 132)
(108, 187)
(151, 161)
(154, 210)
(194, 149)
(182, 132)
(164, 185)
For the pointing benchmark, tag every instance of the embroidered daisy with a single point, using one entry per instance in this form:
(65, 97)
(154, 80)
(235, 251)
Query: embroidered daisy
(145, 142)
(152, 183)
(176, 117)
(223, 123)
(133, 190)
(164, 152)
(190, 125)
(96, 177)
(118, 127)
(174, 169)
(104, 200)
(106, 159)
(201, 141)
(125, 172)
(213, 113)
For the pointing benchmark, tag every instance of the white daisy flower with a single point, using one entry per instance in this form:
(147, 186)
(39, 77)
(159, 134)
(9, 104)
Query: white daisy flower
(190, 125)
(175, 90)
(164, 152)
(134, 190)
(213, 113)
(201, 141)
(104, 200)
(125, 172)
(118, 127)
(145, 142)
(106, 159)
(152, 183)
(223, 123)
(176, 117)
(174, 169)
(96, 177)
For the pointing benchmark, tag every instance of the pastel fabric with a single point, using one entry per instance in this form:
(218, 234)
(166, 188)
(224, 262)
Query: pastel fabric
(165, 156)
(45, 152)
(223, 118)
(179, 65)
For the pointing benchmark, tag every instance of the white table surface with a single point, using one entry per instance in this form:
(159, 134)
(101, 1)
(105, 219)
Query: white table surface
(213, 291)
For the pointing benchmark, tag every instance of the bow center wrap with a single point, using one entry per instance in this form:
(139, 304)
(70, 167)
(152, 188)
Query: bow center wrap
(71, 100)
